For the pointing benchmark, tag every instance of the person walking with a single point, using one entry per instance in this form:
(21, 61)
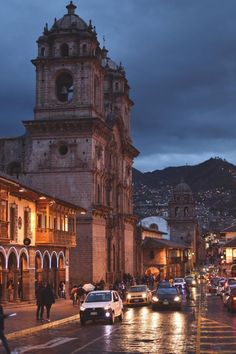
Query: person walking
(39, 302)
(48, 300)
(2, 335)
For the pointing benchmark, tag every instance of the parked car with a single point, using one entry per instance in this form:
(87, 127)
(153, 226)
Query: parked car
(190, 280)
(227, 293)
(231, 300)
(102, 304)
(179, 282)
(139, 295)
(166, 298)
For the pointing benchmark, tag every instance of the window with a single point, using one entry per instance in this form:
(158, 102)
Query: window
(63, 149)
(3, 210)
(42, 52)
(39, 221)
(64, 50)
(84, 48)
(27, 226)
(13, 223)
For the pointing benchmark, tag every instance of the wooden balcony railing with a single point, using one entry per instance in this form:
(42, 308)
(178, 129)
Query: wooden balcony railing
(56, 238)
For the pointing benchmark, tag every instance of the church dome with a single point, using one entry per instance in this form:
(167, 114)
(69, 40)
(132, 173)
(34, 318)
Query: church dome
(182, 187)
(70, 21)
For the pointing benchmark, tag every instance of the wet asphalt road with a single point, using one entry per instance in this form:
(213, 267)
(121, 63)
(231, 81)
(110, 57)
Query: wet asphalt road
(203, 326)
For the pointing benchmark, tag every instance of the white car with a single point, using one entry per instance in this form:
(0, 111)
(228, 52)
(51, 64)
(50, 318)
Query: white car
(179, 282)
(102, 304)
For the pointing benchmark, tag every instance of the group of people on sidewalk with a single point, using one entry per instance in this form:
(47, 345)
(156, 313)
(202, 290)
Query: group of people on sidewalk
(44, 299)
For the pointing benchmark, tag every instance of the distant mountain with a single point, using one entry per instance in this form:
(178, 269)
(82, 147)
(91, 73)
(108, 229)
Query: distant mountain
(213, 183)
(212, 174)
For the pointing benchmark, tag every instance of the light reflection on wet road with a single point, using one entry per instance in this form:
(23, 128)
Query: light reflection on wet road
(143, 331)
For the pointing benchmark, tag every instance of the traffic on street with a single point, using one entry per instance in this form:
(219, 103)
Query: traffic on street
(199, 323)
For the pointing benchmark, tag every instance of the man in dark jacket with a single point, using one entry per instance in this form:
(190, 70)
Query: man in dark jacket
(39, 301)
(2, 335)
(48, 299)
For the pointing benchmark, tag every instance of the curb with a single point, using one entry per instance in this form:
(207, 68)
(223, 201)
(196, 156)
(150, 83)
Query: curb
(32, 330)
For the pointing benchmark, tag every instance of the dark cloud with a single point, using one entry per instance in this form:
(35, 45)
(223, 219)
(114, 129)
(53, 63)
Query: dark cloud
(180, 59)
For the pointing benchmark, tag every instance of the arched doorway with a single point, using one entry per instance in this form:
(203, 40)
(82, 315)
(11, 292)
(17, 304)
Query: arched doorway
(46, 268)
(54, 274)
(61, 269)
(23, 280)
(38, 269)
(2, 267)
(12, 277)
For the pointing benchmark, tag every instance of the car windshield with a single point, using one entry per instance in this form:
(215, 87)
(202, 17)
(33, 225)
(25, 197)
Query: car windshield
(178, 280)
(98, 297)
(231, 281)
(136, 289)
(167, 291)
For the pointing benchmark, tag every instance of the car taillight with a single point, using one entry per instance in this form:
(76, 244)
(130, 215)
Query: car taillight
(234, 298)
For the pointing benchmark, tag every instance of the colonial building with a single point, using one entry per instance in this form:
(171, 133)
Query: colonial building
(37, 232)
(158, 254)
(78, 147)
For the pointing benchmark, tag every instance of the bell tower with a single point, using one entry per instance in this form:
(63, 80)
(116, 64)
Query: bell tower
(79, 147)
(69, 74)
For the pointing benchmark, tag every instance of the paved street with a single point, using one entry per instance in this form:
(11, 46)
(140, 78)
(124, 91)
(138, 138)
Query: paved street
(203, 326)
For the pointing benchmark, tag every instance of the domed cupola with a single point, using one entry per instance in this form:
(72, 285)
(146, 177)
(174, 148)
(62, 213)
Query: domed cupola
(70, 22)
(182, 193)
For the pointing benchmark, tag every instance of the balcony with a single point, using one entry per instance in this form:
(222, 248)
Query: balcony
(55, 238)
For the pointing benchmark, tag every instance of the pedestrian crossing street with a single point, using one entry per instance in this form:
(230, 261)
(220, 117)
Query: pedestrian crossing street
(215, 337)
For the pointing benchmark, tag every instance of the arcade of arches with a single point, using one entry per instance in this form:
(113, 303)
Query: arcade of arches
(22, 268)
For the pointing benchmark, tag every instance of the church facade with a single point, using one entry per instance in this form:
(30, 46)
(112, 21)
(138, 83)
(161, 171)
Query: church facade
(79, 147)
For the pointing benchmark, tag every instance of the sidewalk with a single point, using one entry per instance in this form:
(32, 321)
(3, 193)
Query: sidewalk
(25, 321)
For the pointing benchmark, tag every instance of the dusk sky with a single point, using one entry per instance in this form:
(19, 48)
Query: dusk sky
(179, 57)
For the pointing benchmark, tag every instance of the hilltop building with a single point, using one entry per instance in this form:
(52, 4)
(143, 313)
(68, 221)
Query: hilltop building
(79, 148)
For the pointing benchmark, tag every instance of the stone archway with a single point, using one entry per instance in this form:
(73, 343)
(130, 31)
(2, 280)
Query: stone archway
(61, 269)
(38, 269)
(23, 280)
(54, 274)
(12, 278)
(46, 269)
(2, 276)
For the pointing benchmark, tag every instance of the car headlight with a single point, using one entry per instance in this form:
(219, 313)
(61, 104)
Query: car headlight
(128, 296)
(82, 308)
(194, 282)
(176, 298)
(144, 295)
(155, 299)
(107, 307)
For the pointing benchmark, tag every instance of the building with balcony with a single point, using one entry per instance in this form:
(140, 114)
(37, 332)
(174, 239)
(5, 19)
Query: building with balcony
(37, 233)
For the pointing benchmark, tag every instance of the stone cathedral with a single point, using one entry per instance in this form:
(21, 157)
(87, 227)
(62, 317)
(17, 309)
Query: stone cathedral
(78, 146)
